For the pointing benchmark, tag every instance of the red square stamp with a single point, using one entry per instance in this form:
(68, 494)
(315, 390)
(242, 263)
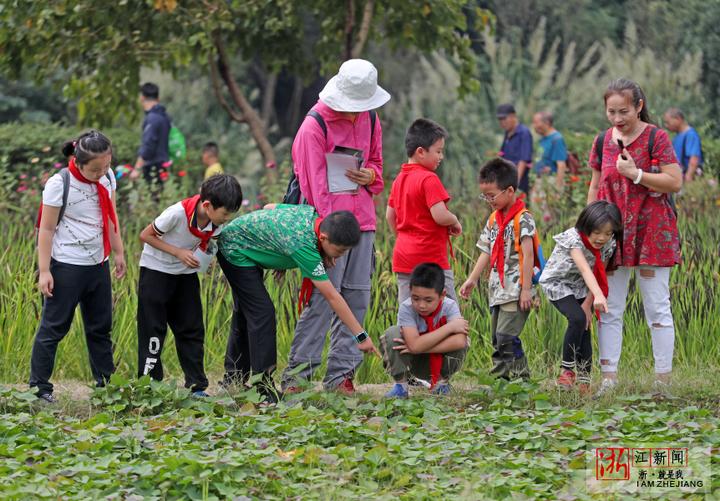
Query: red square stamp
(612, 463)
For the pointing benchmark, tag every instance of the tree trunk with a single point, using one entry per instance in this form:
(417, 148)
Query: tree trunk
(248, 114)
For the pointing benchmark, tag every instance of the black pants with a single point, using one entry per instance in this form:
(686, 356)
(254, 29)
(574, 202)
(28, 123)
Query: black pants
(72, 284)
(251, 346)
(577, 346)
(174, 300)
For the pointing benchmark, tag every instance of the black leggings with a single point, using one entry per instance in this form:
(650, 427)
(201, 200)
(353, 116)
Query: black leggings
(577, 346)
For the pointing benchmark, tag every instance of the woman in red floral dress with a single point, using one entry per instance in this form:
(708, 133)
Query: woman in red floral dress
(638, 182)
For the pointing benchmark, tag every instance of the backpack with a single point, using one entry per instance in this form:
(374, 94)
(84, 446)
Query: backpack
(293, 195)
(65, 176)
(573, 163)
(177, 149)
(539, 258)
(600, 142)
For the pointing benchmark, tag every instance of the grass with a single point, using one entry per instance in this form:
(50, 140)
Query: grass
(490, 440)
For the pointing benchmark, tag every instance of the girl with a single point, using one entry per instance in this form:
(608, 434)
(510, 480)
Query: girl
(634, 167)
(574, 280)
(73, 253)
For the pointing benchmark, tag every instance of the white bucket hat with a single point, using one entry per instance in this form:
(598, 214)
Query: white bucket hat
(354, 88)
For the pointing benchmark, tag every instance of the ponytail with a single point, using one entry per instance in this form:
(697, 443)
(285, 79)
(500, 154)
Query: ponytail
(88, 146)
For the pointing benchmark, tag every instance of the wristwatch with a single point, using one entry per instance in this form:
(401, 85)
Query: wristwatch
(362, 336)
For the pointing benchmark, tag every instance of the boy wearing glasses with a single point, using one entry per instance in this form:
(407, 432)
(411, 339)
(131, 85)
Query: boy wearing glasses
(510, 285)
(417, 208)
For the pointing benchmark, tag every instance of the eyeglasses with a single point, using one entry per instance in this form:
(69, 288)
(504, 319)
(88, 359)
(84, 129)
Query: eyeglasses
(491, 199)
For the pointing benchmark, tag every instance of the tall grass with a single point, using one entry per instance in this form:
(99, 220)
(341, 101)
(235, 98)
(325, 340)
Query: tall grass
(695, 291)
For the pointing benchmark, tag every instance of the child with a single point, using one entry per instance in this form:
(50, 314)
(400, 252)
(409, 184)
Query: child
(78, 228)
(574, 281)
(417, 208)
(211, 160)
(511, 293)
(169, 290)
(281, 237)
(430, 339)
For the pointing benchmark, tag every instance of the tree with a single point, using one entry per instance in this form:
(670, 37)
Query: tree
(103, 49)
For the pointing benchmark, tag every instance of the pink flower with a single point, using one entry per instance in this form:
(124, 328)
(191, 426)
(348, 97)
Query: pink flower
(245, 202)
(21, 188)
(23, 176)
(256, 207)
(58, 165)
(547, 217)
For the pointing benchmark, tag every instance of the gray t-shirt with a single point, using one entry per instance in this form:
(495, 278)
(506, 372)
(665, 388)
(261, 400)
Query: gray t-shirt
(408, 317)
(511, 292)
(561, 277)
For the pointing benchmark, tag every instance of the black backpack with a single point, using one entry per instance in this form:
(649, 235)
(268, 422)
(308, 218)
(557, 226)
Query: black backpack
(293, 195)
(600, 142)
(65, 176)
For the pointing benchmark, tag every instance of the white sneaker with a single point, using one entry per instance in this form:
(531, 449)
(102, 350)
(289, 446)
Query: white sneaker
(606, 386)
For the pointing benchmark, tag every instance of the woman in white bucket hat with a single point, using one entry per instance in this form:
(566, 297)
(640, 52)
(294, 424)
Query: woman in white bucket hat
(343, 116)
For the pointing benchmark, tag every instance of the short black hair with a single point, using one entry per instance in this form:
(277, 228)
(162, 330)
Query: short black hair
(150, 90)
(342, 228)
(423, 133)
(597, 214)
(428, 275)
(212, 148)
(87, 146)
(499, 171)
(222, 190)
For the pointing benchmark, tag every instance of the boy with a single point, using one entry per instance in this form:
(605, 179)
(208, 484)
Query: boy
(511, 293)
(417, 208)
(280, 237)
(430, 339)
(169, 290)
(211, 160)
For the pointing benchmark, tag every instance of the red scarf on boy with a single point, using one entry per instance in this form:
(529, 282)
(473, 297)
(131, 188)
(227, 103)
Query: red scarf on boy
(306, 288)
(106, 206)
(190, 206)
(598, 268)
(436, 359)
(497, 258)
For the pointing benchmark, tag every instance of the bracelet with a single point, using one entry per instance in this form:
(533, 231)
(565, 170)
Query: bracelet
(639, 177)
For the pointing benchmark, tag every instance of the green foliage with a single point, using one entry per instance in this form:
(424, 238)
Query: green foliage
(104, 59)
(508, 441)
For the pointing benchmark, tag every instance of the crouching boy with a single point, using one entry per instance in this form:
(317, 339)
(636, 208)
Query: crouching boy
(169, 289)
(430, 339)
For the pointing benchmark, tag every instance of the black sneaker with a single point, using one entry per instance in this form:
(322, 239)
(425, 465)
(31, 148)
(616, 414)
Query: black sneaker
(47, 398)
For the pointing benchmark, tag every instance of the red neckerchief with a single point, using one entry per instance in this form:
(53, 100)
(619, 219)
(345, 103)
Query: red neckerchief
(436, 359)
(306, 288)
(598, 268)
(106, 206)
(497, 258)
(190, 206)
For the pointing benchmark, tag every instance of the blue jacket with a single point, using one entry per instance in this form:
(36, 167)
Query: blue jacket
(155, 133)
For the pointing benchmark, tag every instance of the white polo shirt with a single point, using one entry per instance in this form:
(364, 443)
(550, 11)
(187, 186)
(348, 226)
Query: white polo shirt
(172, 227)
(78, 239)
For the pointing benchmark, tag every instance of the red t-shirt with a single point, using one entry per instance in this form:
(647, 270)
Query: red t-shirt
(650, 227)
(419, 238)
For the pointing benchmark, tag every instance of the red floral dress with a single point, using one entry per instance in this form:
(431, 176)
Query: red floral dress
(650, 227)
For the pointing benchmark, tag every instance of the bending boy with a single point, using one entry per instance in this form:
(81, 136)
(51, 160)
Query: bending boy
(280, 237)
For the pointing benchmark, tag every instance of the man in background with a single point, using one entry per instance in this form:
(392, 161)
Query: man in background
(517, 145)
(686, 143)
(153, 155)
(554, 152)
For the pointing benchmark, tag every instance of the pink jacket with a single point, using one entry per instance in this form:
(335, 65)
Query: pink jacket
(308, 154)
